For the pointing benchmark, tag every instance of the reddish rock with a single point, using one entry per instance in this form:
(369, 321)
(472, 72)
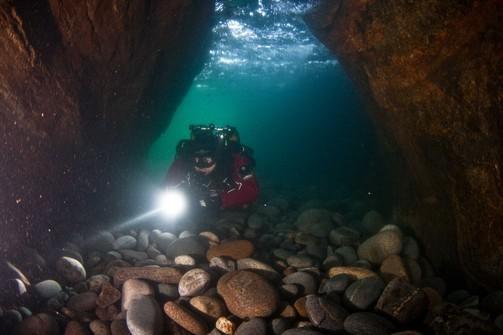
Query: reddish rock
(430, 71)
(237, 249)
(247, 294)
(185, 318)
(159, 275)
(109, 295)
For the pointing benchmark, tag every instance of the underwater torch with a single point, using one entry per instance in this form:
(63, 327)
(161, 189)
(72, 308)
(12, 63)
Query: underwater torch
(173, 203)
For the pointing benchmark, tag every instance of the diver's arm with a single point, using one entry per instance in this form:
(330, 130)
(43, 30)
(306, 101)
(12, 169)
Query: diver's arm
(246, 187)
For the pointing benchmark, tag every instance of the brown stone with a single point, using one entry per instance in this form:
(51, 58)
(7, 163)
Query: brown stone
(288, 311)
(353, 271)
(39, 324)
(76, 328)
(300, 306)
(393, 266)
(109, 295)
(234, 249)
(226, 325)
(159, 275)
(211, 307)
(107, 314)
(247, 294)
(99, 327)
(185, 318)
(119, 327)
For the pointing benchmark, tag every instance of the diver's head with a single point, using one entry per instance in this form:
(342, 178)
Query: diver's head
(204, 161)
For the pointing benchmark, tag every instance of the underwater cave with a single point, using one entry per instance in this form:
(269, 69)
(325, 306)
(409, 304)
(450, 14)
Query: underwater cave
(294, 167)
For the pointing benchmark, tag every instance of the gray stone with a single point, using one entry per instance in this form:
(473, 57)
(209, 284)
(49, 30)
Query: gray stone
(94, 283)
(343, 236)
(305, 280)
(365, 323)
(261, 268)
(316, 222)
(103, 241)
(133, 255)
(410, 248)
(280, 325)
(162, 240)
(325, 314)
(133, 289)
(380, 246)
(348, 254)
(186, 233)
(168, 291)
(254, 326)
(144, 316)
(331, 261)
(223, 264)
(186, 246)
(71, 269)
(47, 289)
(143, 240)
(337, 284)
(282, 253)
(193, 282)
(125, 242)
(363, 293)
(300, 261)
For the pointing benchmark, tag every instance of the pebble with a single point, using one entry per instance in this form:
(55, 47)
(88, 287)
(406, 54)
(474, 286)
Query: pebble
(107, 314)
(193, 246)
(324, 314)
(109, 295)
(223, 264)
(144, 316)
(304, 280)
(410, 248)
(255, 326)
(132, 289)
(71, 269)
(300, 261)
(133, 255)
(402, 301)
(226, 325)
(210, 236)
(165, 275)
(236, 249)
(185, 260)
(39, 324)
(76, 328)
(103, 241)
(99, 327)
(94, 283)
(393, 266)
(168, 291)
(316, 222)
(380, 246)
(300, 306)
(258, 267)
(162, 240)
(337, 284)
(212, 307)
(363, 293)
(343, 236)
(125, 242)
(353, 271)
(289, 291)
(185, 318)
(47, 289)
(366, 323)
(282, 253)
(83, 302)
(247, 294)
(93, 258)
(348, 254)
(119, 327)
(193, 283)
(332, 261)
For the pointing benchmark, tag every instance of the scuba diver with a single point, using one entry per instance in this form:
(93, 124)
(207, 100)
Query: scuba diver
(214, 169)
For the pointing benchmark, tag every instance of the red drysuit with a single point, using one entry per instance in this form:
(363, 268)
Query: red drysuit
(241, 187)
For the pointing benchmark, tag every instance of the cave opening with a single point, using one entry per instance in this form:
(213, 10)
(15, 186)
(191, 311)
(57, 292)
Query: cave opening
(267, 75)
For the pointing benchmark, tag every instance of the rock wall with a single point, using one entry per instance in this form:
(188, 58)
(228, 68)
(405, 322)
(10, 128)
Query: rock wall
(85, 87)
(431, 70)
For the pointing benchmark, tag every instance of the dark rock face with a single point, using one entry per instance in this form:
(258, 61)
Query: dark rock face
(431, 72)
(85, 87)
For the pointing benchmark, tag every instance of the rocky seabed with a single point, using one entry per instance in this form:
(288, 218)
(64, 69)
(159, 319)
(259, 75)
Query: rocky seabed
(271, 270)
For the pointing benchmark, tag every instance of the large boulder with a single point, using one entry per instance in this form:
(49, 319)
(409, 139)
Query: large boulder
(430, 71)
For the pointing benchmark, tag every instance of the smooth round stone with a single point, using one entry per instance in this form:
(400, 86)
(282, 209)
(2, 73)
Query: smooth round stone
(185, 260)
(337, 284)
(289, 291)
(317, 250)
(255, 326)
(343, 236)
(109, 295)
(142, 241)
(152, 252)
(119, 327)
(192, 246)
(103, 241)
(348, 254)
(280, 325)
(372, 222)
(99, 327)
(332, 261)
(210, 236)
(162, 240)
(380, 246)
(414, 271)
(185, 318)
(72, 254)
(39, 324)
(300, 261)
(83, 302)
(76, 328)
(363, 293)
(47, 289)
(236, 249)
(317, 222)
(132, 289)
(211, 307)
(133, 255)
(282, 253)
(144, 316)
(223, 264)
(304, 239)
(247, 294)
(410, 248)
(71, 269)
(193, 283)
(353, 271)
(25, 311)
(125, 242)
(393, 266)
(365, 323)
(226, 325)
(258, 267)
(305, 280)
(112, 255)
(324, 314)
